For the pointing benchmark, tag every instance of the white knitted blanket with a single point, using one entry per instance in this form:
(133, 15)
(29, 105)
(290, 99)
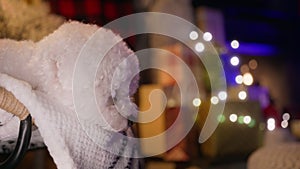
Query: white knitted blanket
(40, 76)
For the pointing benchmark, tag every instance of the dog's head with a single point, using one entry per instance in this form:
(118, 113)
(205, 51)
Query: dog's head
(51, 64)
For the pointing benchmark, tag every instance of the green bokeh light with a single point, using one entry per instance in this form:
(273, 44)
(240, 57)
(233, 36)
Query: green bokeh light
(241, 119)
(221, 118)
(252, 123)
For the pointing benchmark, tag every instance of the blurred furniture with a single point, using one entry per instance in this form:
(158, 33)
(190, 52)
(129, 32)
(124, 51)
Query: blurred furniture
(281, 156)
(159, 110)
(295, 128)
(238, 133)
(151, 107)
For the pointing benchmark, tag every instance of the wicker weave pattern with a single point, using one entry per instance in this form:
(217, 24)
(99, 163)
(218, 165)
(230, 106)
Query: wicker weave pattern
(11, 104)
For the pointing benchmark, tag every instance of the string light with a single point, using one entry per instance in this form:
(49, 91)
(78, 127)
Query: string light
(234, 61)
(196, 102)
(253, 64)
(239, 79)
(214, 100)
(222, 95)
(221, 118)
(247, 79)
(252, 123)
(244, 69)
(247, 119)
(284, 124)
(233, 118)
(241, 119)
(271, 124)
(235, 44)
(193, 35)
(199, 47)
(242, 95)
(207, 36)
(286, 116)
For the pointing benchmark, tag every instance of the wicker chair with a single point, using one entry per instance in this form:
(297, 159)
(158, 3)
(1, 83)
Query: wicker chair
(10, 103)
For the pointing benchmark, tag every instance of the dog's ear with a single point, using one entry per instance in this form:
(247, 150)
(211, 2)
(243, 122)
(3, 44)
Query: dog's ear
(57, 56)
(16, 59)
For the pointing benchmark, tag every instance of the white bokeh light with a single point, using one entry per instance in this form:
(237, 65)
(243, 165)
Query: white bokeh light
(271, 124)
(271, 121)
(199, 47)
(222, 95)
(247, 119)
(239, 79)
(235, 44)
(207, 36)
(214, 100)
(233, 117)
(193, 35)
(196, 102)
(242, 95)
(271, 127)
(284, 124)
(247, 79)
(234, 61)
(286, 116)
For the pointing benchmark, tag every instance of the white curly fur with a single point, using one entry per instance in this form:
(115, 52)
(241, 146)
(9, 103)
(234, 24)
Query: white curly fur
(45, 70)
(48, 66)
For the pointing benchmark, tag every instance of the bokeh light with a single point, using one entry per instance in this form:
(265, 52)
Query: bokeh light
(284, 124)
(241, 119)
(247, 79)
(253, 64)
(171, 102)
(214, 100)
(252, 123)
(221, 118)
(222, 95)
(242, 95)
(197, 102)
(286, 116)
(244, 69)
(247, 119)
(233, 118)
(235, 44)
(199, 47)
(234, 61)
(271, 124)
(207, 36)
(239, 79)
(193, 35)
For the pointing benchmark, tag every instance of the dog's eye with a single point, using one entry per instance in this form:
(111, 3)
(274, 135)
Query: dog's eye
(110, 101)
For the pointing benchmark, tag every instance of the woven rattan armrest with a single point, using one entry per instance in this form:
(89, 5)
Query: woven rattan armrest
(11, 104)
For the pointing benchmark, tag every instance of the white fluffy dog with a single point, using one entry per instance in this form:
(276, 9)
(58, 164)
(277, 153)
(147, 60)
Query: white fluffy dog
(40, 75)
